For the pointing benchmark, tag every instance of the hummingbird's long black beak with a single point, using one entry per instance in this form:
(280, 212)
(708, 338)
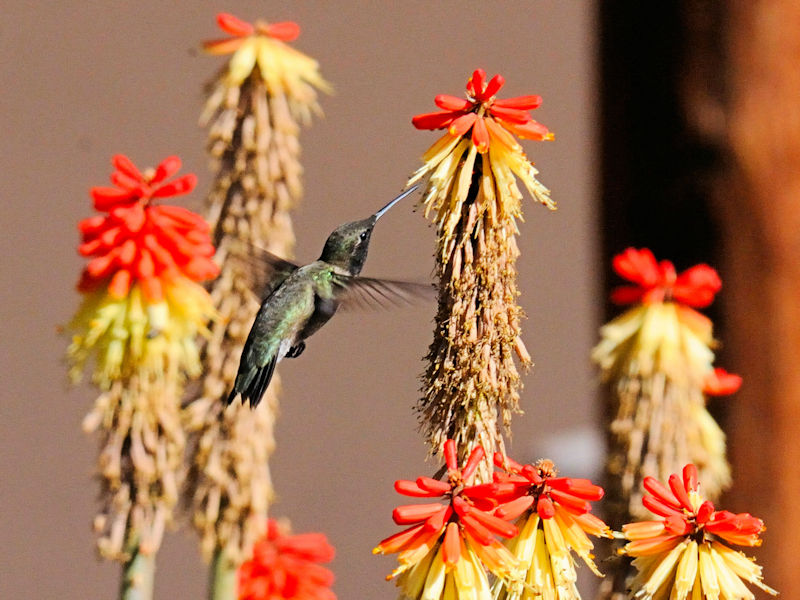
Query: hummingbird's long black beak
(379, 214)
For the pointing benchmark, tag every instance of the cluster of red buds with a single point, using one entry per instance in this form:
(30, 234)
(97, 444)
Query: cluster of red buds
(140, 242)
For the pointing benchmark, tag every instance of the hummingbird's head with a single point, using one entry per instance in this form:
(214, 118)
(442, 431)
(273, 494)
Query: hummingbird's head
(348, 245)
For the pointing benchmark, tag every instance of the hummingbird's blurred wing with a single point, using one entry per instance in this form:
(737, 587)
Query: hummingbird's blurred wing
(369, 293)
(268, 271)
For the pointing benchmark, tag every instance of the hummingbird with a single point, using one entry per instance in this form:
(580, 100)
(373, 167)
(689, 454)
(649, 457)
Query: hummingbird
(299, 300)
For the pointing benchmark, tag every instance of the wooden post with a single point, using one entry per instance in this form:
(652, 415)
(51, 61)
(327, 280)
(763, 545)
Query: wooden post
(713, 93)
(758, 200)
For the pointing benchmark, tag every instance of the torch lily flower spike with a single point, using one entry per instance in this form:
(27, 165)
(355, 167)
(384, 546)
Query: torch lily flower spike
(286, 566)
(141, 282)
(553, 517)
(143, 309)
(658, 359)
(473, 197)
(685, 552)
(445, 550)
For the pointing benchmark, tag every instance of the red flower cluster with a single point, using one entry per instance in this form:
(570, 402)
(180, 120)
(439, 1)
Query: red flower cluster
(467, 510)
(285, 31)
(285, 566)
(684, 516)
(483, 114)
(522, 487)
(138, 242)
(658, 281)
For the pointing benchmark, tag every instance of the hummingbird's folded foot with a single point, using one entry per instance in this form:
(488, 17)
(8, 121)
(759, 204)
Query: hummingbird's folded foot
(296, 350)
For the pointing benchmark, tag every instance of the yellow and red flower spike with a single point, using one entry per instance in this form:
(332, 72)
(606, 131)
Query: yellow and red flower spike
(682, 554)
(659, 282)
(287, 566)
(483, 116)
(658, 357)
(448, 544)
(138, 242)
(554, 517)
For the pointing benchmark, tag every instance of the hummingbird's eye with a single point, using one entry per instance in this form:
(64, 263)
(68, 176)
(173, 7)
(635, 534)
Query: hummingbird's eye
(363, 236)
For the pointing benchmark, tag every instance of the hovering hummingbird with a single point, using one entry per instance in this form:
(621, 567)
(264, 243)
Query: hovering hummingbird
(299, 300)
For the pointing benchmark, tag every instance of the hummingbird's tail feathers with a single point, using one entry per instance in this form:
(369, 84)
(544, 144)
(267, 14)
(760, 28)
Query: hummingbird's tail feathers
(232, 396)
(259, 383)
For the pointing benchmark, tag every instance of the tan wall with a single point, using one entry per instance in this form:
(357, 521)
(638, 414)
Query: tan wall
(84, 80)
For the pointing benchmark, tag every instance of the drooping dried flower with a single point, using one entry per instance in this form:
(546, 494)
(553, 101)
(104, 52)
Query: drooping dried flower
(721, 383)
(286, 566)
(657, 357)
(685, 553)
(443, 553)
(142, 311)
(553, 517)
(254, 111)
(473, 198)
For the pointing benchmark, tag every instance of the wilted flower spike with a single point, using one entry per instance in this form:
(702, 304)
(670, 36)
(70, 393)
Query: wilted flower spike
(683, 554)
(473, 197)
(286, 566)
(443, 553)
(553, 517)
(138, 324)
(658, 359)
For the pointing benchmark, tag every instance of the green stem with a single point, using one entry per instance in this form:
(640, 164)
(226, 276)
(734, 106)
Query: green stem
(138, 576)
(223, 583)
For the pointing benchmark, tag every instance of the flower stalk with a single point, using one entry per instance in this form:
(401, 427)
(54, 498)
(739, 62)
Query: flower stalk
(223, 577)
(254, 112)
(138, 576)
(471, 382)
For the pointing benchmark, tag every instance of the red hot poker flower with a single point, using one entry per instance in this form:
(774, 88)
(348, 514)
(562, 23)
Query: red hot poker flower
(286, 566)
(684, 513)
(684, 554)
(139, 242)
(659, 282)
(554, 519)
(447, 542)
(285, 31)
(461, 513)
(484, 115)
(538, 487)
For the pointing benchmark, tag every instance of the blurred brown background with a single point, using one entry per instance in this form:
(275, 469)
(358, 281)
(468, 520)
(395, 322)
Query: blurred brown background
(84, 80)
